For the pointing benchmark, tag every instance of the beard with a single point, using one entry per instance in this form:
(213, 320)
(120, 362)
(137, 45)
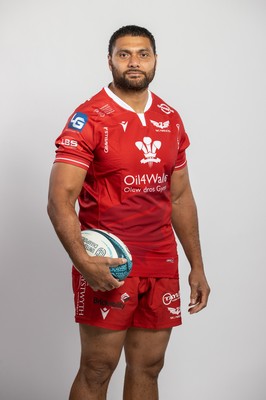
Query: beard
(122, 81)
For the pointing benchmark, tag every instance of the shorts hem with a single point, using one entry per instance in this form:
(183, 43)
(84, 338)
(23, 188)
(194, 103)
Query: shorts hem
(158, 327)
(98, 324)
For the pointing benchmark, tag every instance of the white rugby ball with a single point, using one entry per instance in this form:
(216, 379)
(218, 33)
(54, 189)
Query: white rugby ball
(98, 242)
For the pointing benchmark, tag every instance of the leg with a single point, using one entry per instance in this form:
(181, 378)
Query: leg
(144, 351)
(100, 353)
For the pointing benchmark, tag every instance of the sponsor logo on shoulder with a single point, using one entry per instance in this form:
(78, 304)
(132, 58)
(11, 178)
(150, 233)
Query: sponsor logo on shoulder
(165, 108)
(69, 142)
(104, 110)
(78, 121)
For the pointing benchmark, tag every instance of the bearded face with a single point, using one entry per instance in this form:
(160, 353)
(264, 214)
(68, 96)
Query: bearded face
(132, 63)
(133, 78)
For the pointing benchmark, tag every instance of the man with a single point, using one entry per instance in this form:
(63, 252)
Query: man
(122, 155)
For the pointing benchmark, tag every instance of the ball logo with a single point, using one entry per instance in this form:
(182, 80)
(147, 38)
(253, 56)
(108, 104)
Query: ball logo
(78, 121)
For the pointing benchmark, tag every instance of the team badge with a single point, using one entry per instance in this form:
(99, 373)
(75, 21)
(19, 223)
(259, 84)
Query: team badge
(149, 149)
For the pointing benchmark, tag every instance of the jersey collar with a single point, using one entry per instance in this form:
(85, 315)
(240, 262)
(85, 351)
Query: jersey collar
(121, 103)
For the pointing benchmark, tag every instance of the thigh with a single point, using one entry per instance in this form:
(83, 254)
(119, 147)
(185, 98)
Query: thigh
(112, 309)
(100, 346)
(159, 304)
(145, 347)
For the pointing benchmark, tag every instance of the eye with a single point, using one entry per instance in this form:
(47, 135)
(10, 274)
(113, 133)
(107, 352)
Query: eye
(144, 54)
(123, 54)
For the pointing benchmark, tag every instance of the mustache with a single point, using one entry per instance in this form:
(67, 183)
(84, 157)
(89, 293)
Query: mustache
(135, 70)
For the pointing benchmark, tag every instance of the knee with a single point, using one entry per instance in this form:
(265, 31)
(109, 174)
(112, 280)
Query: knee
(96, 373)
(149, 369)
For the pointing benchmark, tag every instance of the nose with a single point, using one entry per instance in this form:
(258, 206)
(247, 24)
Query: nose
(133, 61)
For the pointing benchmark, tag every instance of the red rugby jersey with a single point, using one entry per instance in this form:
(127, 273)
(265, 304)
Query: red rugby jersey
(129, 158)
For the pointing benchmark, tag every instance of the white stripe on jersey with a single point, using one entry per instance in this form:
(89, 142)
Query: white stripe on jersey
(73, 161)
(181, 165)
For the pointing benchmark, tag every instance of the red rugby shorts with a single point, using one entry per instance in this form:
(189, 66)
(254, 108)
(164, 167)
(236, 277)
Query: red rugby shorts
(152, 303)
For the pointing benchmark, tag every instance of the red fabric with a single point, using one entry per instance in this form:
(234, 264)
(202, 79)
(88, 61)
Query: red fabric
(130, 159)
(141, 302)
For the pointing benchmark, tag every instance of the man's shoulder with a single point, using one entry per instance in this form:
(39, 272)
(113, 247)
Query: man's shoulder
(93, 102)
(163, 107)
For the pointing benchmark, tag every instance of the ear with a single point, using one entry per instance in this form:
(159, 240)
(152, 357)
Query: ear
(110, 62)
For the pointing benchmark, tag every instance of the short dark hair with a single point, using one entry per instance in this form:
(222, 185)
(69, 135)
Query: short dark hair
(130, 30)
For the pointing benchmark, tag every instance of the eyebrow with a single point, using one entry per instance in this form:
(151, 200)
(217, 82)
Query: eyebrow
(138, 51)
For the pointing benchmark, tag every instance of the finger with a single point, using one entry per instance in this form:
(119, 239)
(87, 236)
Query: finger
(200, 305)
(117, 284)
(194, 296)
(115, 262)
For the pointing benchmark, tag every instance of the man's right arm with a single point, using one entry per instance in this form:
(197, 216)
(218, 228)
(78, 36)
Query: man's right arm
(65, 185)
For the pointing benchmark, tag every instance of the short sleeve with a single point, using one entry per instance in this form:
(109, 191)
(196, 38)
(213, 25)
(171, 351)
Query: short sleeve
(75, 145)
(183, 143)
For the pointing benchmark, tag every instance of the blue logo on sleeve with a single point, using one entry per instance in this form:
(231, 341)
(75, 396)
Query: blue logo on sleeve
(78, 121)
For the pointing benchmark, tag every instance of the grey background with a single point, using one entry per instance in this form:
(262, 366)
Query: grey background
(212, 70)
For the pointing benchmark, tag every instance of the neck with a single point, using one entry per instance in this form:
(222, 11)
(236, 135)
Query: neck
(136, 99)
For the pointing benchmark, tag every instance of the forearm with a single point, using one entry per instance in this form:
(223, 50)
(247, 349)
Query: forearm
(66, 224)
(185, 224)
(66, 182)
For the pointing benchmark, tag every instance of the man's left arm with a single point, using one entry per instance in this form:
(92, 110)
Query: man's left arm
(185, 224)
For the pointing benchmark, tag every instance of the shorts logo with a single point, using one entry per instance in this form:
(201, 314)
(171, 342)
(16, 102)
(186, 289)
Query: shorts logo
(149, 150)
(78, 121)
(175, 311)
(168, 298)
(104, 312)
(81, 296)
(105, 303)
(125, 297)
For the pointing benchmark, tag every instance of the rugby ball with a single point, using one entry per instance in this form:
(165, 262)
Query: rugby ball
(98, 242)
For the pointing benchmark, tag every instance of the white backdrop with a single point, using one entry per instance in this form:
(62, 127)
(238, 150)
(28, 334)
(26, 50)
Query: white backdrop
(211, 68)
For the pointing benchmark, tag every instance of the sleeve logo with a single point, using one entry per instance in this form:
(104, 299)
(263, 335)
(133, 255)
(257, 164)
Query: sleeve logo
(78, 121)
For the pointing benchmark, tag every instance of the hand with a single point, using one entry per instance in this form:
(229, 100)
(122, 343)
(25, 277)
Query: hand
(200, 291)
(96, 272)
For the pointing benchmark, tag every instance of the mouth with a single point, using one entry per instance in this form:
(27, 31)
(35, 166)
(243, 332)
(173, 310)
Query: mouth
(134, 72)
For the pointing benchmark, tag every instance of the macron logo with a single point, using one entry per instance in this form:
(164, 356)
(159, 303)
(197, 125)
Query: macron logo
(104, 312)
(124, 125)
